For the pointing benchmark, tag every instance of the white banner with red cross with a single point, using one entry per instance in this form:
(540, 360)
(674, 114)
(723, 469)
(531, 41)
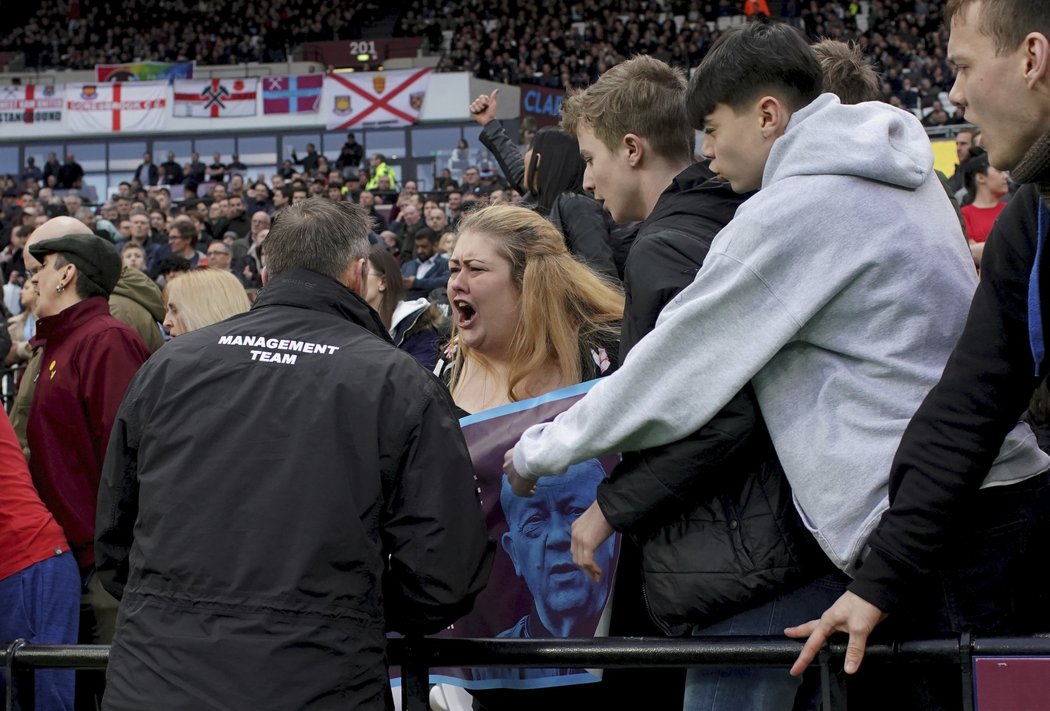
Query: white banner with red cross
(373, 99)
(215, 98)
(133, 107)
(30, 109)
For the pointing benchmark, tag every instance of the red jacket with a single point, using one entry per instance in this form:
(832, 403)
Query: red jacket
(89, 359)
(28, 533)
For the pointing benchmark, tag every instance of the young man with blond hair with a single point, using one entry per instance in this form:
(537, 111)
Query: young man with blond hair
(638, 144)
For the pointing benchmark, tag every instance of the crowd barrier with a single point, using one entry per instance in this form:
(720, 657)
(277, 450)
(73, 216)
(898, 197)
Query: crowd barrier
(417, 656)
(9, 385)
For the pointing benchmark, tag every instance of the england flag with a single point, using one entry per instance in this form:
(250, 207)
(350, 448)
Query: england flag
(117, 108)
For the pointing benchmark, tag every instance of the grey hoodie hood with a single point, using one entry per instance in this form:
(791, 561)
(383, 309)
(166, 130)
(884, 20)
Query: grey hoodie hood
(874, 141)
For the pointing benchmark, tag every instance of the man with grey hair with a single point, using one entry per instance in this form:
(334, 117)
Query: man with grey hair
(268, 566)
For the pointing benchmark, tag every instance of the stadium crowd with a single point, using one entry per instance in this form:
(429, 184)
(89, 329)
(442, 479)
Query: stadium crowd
(78, 35)
(845, 413)
(560, 45)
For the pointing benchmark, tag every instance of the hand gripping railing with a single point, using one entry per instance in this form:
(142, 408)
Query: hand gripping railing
(417, 656)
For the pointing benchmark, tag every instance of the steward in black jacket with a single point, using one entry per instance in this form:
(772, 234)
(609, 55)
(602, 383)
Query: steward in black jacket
(283, 488)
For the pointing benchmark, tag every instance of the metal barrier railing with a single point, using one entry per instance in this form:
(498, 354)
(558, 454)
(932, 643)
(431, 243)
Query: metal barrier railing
(417, 656)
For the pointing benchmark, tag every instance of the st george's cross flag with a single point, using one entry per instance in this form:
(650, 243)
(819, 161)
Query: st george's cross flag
(132, 107)
(374, 98)
(31, 104)
(215, 98)
(292, 95)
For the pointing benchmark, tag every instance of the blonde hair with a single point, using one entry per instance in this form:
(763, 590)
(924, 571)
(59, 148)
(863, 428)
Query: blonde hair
(206, 296)
(643, 96)
(564, 303)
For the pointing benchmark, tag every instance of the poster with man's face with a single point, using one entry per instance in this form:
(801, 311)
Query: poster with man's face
(535, 590)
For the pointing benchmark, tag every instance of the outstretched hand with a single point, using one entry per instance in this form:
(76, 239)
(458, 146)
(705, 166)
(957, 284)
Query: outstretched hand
(589, 532)
(850, 613)
(483, 108)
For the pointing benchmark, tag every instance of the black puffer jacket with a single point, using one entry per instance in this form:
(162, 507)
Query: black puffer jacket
(714, 519)
(711, 513)
(670, 246)
(578, 217)
(280, 489)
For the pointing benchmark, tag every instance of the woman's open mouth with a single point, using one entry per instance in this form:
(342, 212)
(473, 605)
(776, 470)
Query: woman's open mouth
(465, 314)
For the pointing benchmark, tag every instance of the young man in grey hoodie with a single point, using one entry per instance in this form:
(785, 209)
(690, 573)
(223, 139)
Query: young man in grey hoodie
(838, 290)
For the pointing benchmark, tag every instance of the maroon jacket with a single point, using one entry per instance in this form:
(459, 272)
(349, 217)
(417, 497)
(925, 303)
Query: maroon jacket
(89, 359)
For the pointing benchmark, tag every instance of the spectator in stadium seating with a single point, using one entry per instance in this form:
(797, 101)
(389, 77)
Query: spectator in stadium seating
(334, 192)
(158, 221)
(471, 177)
(745, 93)
(323, 169)
(90, 359)
(963, 144)
(943, 459)
(551, 178)
(217, 171)
(445, 181)
(351, 155)
(39, 580)
(428, 269)
(133, 256)
(437, 220)
(236, 167)
(147, 173)
(400, 472)
(299, 193)
(447, 243)
(408, 222)
(70, 174)
(11, 260)
(182, 241)
(367, 200)
(417, 327)
(236, 219)
(22, 327)
(236, 185)
(171, 171)
(259, 199)
(195, 171)
(282, 197)
(51, 168)
(202, 297)
(253, 261)
(454, 207)
(31, 171)
(139, 230)
(988, 185)
(309, 162)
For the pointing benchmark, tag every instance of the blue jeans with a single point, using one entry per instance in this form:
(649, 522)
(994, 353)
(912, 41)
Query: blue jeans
(759, 688)
(41, 604)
